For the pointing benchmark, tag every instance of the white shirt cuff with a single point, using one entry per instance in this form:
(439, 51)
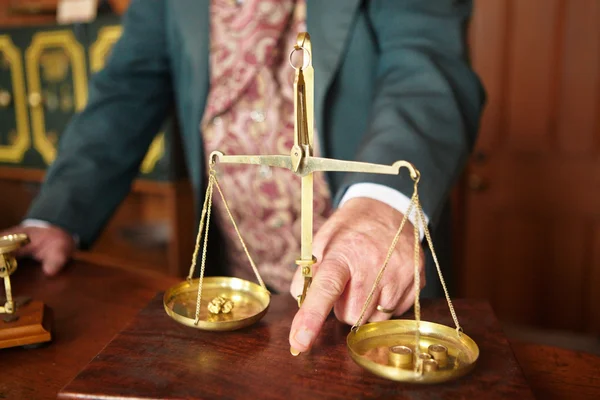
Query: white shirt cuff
(387, 195)
(37, 223)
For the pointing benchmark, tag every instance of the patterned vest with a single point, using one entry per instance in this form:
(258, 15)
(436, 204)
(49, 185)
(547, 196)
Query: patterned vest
(250, 110)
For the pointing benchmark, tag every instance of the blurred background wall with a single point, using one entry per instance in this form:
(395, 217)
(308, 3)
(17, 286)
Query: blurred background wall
(531, 196)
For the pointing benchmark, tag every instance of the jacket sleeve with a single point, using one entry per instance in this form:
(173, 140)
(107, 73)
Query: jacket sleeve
(101, 150)
(427, 101)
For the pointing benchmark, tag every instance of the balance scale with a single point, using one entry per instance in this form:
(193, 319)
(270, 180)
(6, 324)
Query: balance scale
(401, 350)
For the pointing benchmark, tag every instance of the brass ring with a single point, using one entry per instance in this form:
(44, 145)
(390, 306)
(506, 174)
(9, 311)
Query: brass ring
(385, 310)
(305, 63)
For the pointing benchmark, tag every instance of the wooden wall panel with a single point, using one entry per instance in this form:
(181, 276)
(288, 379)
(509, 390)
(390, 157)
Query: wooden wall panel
(531, 72)
(518, 279)
(592, 308)
(532, 200)
(564, 275)
(543, 276)
(488, 41)
(579, 97)
(476, 272)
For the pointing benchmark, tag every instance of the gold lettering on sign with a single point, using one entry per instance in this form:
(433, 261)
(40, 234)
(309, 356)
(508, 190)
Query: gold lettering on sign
(155, 153)
(66, 100)
(35, 54)
(55, 65)
(20, 142)
(100, 49)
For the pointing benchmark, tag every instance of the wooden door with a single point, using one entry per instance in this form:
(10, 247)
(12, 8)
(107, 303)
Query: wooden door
(532, 200)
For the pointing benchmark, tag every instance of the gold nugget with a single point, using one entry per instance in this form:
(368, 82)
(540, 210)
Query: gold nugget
(220, 305)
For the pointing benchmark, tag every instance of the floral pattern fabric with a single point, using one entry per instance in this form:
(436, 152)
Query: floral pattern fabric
(250, 110)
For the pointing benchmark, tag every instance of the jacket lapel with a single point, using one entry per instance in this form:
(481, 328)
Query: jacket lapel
(328, 23)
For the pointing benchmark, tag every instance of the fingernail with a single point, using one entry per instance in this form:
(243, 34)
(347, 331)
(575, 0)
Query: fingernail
(294, 351)
(304, 337)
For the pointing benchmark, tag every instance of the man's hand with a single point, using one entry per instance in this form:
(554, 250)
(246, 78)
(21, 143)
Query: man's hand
(350, 249)
(51, 246)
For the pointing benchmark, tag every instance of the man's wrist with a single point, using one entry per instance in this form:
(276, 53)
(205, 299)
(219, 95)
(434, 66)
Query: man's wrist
(38, 223)
(386, 195)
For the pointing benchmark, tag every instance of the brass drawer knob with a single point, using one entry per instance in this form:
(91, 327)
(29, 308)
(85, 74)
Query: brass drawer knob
(5, 98)
(477, 184)
(35, 99)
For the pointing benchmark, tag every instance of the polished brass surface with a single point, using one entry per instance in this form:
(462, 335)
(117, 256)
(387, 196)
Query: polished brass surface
(370, 347)
(220, 305)
(304, 129)
(250, 303)
(314, 164)
(8, 265)
(10, 243)
(400, 356)
(307, 274)
(439, 353)
(429, 366)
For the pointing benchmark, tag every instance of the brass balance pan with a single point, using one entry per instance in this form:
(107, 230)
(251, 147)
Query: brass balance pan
(10, 243)
(371, 344)
(250, 303)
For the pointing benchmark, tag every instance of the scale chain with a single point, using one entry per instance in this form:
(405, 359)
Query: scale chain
(437, 266)
(254, 268)
(199, 235)
(203, 227)
(385, 263)
(420, 222)
(203, 265)
(417, 277)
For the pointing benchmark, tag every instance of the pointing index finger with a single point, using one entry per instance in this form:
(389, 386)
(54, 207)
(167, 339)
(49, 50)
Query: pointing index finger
(328, 284)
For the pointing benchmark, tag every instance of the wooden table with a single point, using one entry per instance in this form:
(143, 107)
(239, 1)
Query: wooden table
(555, 373)
(156, 357)
(91, 304)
